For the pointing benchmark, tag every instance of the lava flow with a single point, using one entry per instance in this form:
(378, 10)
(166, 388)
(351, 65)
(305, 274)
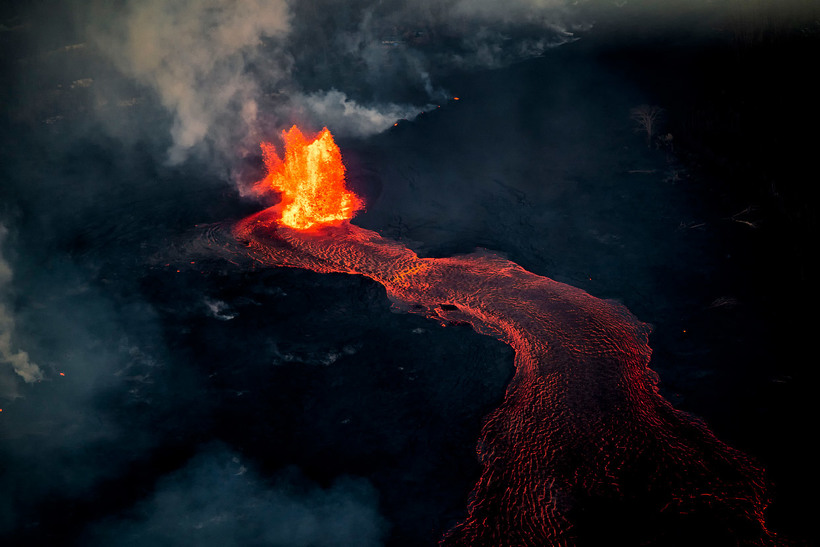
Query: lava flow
(583, 447)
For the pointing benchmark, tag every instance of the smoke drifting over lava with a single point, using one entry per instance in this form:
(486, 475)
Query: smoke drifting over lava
(129, 143)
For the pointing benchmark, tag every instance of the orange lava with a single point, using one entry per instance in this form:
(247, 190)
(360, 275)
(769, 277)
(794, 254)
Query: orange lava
(582, 431)
(310, 179)
(583, 445)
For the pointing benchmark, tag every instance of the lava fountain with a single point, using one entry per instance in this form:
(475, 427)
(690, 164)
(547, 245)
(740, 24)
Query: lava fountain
(310, 179)
(583, 445)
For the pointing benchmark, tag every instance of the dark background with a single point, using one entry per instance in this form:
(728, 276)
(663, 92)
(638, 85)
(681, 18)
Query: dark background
(210, 402)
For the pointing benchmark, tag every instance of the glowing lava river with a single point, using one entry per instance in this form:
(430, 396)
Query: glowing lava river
(583, 433)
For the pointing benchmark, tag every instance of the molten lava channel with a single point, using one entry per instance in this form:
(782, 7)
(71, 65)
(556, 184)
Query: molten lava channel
(582, 424)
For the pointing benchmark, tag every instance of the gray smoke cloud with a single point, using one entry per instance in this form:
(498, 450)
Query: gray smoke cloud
(195, 56)
(346, 117)
(233, 73)
(230, 73)
(17, 359)
(217, 499)
(90, 351)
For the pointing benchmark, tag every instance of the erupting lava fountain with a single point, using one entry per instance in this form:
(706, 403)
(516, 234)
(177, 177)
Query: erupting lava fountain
(582, 434)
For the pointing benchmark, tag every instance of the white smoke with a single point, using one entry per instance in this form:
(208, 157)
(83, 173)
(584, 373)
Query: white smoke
(19, 360)
(225, 68)
(231, 72)
(345, 116)
(195, 54)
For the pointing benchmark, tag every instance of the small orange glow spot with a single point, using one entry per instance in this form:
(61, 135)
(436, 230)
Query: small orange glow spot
(311, 179)
(456, 99)
(62, 374)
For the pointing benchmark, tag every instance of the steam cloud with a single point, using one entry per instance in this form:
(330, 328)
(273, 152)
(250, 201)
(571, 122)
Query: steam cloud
(335, 109)
(194, 54)
(19, 360)
(233, 72)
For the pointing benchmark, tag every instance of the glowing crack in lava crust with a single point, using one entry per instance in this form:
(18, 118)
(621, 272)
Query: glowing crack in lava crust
(583, 433)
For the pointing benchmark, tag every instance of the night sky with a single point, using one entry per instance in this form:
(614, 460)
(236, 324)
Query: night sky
(155, 392)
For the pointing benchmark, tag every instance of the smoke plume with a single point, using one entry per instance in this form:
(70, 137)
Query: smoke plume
(346, 117)
(216, 499)
(18, 360)
(197, 57)
(232, 73)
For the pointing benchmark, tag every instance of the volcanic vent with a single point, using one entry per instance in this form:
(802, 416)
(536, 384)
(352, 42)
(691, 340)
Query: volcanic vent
(583, 446)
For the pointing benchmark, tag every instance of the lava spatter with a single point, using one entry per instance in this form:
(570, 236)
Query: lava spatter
(583, 446)
(310, 179)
